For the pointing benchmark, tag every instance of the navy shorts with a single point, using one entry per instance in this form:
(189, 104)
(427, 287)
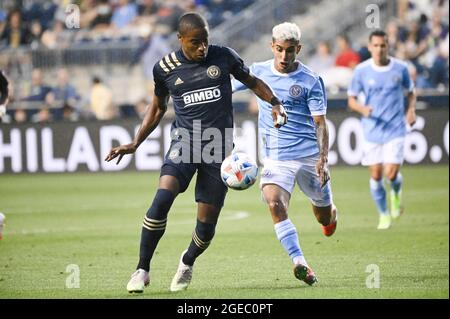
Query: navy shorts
(209, 187)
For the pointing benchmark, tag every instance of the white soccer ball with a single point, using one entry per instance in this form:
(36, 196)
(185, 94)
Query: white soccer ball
(239, 171)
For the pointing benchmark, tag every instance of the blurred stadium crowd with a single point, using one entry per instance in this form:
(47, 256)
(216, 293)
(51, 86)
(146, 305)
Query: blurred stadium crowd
(418, 33)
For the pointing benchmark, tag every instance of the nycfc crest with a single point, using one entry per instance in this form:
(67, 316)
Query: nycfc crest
(213, 72)
(295, 90)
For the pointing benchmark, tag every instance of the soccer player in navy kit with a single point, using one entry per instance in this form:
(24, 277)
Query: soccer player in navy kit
(4, 94)
(197, 77)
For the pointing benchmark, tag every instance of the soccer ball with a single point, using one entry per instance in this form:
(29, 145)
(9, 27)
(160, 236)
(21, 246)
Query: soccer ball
(239, 171)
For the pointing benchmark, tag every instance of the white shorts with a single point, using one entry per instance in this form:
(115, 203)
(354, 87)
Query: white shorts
(302, 171)
(390, 153)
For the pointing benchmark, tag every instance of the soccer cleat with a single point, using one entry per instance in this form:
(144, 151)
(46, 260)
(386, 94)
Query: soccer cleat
(384, 222)
(304, 273)
(396, 204)
(183, 277)
(139, 280)
(329, 229)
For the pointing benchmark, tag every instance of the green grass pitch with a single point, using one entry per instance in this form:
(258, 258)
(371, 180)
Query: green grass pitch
(94, 222)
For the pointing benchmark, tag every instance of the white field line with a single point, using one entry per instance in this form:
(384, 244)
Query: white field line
(226, 216)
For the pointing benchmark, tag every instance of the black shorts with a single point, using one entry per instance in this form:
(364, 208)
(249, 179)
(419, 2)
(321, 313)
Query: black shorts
(209, 187)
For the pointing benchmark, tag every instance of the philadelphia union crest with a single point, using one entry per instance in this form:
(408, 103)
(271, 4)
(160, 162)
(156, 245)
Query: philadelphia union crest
(213, 72)
(295, 90)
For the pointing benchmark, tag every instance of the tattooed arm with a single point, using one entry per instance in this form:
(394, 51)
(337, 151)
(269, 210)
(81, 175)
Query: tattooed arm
(322, 141)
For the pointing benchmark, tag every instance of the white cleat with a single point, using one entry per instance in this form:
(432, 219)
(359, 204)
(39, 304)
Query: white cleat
(384, 221)
(183, 277)
(139, 280)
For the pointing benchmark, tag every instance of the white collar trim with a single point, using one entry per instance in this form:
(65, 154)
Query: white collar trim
(298, 70)
(382, 68)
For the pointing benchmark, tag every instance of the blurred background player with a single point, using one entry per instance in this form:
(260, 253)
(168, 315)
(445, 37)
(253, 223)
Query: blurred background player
(3, 101)
(380, 83)
(196, 67)
(298, 151)
(4, 94)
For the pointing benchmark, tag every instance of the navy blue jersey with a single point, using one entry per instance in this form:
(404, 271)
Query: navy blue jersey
(201, 91)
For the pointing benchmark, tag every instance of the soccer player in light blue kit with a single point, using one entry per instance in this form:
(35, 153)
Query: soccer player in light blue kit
(298, 150)
(377, 93)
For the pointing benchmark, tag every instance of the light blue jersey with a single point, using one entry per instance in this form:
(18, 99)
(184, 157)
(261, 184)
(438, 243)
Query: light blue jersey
(382, 88)
(303, 96)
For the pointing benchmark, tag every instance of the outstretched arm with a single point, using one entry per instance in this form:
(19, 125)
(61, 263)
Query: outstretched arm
(151, 120)
(263, 91)
(322, 141)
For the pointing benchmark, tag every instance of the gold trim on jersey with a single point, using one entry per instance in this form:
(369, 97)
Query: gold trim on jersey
(169, 63)
(163, 66)
(174, 58)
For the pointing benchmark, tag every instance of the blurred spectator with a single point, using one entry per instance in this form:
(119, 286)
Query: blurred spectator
(36, 34)
(101, 101)
(167, 17)
(88, 12)
(322, 60)
(20, 115)
(57, 37)
(414, 46)
(15, 33)
(149, 53)
(364, 53)
(42, 116)
(147, 8)
(103, 15)
(64, 92)
(38, 90)
(124, 14)
(2, 21)
(395, 37)
(69, 113)
(438, 72)
(42, 11)
(346, 56)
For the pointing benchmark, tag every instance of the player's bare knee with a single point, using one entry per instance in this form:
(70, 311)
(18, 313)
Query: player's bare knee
(391, 174)
(376, 172)
(276, 206)
(378, 176)
(170, 183)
